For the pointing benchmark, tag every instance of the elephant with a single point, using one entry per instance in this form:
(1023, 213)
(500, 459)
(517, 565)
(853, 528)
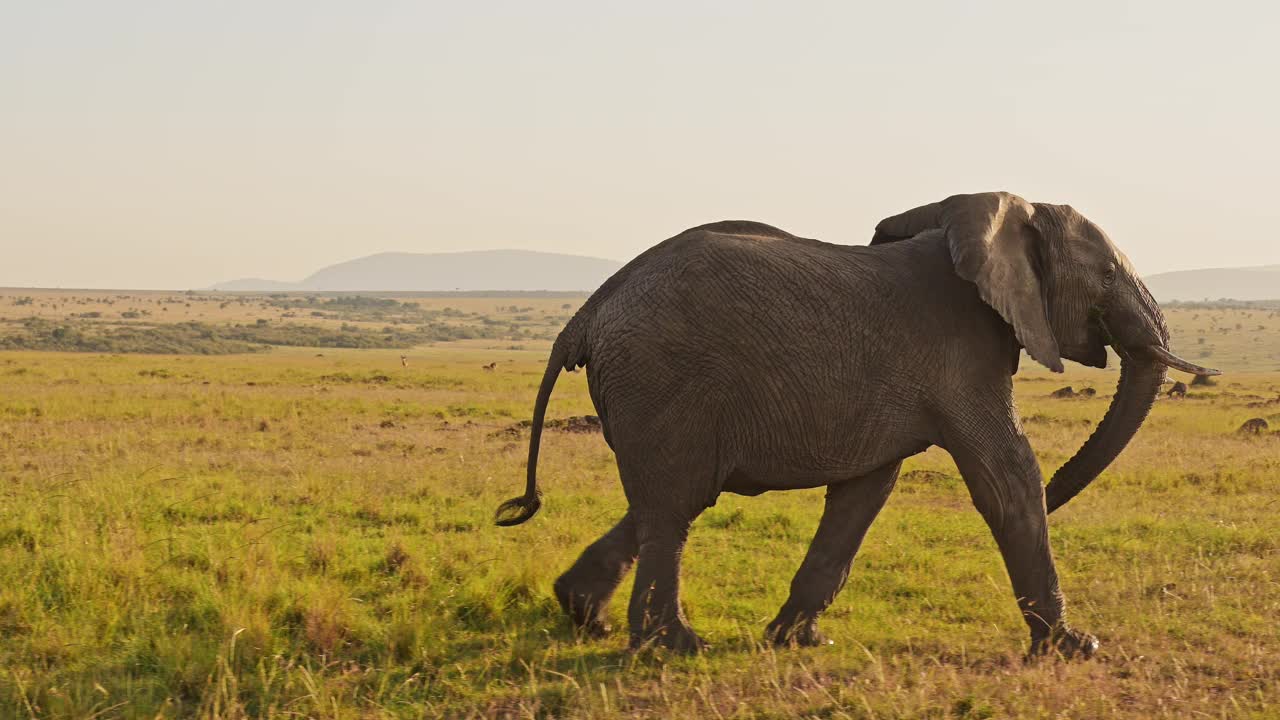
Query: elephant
(736, 357)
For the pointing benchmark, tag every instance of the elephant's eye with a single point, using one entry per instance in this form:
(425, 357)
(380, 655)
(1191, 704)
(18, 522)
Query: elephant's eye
(1110, 276)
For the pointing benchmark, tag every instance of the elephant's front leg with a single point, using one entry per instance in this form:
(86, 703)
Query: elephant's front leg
(849, 510)
(1005, 483)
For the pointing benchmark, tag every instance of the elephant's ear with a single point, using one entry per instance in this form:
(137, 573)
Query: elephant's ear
(908, 224)
(994, 246)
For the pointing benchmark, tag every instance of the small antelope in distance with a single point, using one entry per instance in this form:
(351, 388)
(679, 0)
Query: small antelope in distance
(1179, 390)
(404, 361)
(490, 367)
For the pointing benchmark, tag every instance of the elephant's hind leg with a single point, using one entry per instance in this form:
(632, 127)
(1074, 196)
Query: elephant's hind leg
(584, 590)
(667, 489)
(849, 510)
(655, 614)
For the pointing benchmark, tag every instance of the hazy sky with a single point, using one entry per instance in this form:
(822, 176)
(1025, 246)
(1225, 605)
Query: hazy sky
(175, 144)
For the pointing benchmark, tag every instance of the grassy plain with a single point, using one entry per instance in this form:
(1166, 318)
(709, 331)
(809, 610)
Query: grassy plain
(307, 533)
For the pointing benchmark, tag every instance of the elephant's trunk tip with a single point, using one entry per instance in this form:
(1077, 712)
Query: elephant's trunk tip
(517, 510)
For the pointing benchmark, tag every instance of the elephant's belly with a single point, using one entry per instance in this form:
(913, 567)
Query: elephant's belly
(744, 482)
(795, 469)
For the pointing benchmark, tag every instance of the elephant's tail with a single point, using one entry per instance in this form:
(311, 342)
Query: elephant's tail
(568, 352)
(571, 350)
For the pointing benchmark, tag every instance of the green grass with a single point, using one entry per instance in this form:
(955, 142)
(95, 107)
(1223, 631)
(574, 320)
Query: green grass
(287, 534)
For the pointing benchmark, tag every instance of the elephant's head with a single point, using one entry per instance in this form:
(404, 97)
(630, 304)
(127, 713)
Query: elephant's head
(1068, 292)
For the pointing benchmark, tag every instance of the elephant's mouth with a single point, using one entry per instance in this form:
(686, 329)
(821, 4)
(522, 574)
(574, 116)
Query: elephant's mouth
(1156, 353)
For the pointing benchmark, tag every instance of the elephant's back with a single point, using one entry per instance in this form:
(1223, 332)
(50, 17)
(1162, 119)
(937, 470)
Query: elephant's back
(730, 326)
(731, 285)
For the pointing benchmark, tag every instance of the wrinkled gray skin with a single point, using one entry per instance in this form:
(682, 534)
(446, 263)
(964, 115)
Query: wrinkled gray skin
(736, 357)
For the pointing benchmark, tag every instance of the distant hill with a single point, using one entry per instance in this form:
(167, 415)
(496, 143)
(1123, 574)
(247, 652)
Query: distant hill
(1247, 283)
(256, 285)
(526, 270)
(478, 270)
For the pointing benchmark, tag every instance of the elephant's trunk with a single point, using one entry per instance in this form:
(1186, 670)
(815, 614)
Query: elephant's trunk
(1141, 375)
(1140, 381)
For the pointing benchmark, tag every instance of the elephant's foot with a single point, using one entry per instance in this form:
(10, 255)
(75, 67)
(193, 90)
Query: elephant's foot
(675, 636)
(795, 631)
(1064, 642)
(587, 615)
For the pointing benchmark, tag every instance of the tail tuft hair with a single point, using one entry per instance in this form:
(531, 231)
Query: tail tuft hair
(517, 510)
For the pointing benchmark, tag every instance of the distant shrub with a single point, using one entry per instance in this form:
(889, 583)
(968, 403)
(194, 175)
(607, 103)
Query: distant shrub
(180, 338)
(1223, 304)
(198, 338)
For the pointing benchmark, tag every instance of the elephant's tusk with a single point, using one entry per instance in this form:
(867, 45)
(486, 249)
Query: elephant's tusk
(1178, 363)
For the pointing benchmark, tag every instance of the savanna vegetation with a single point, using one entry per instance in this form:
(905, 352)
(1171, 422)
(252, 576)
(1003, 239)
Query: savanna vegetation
(306, 532)
(219, 323)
